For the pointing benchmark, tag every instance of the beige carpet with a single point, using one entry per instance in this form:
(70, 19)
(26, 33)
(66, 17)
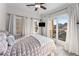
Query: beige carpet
(61, 52)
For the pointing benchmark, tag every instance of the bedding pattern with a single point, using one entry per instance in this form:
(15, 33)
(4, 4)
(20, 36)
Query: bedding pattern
(30, 46)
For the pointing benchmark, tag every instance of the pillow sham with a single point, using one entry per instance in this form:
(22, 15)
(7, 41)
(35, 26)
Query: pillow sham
(11, 40)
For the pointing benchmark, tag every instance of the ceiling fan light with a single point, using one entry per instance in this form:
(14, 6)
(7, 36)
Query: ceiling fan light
(37, 6)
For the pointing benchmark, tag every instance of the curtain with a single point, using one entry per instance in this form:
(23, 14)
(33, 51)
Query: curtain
(23, 25)
(72, 41)
(50, 28)
(28, 26)
(12, 24)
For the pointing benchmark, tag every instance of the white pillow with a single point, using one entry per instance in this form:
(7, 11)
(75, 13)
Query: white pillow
(10, 40)
(2, 36)
(3, 43)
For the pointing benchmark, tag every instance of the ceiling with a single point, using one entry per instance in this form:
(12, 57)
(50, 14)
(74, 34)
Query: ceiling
(22, 7)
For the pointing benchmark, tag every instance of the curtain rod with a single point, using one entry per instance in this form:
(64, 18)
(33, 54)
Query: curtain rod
(25, 16)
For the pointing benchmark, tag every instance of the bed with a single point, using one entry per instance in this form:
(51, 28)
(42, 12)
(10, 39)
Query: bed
(33, 45)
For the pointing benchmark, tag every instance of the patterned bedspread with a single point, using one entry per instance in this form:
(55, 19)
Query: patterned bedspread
(30, 46)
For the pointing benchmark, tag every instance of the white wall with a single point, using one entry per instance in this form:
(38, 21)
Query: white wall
(44, 29)
(17, 11)
(2, 16)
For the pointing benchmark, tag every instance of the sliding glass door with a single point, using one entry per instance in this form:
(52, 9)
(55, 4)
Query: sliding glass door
(60, 27)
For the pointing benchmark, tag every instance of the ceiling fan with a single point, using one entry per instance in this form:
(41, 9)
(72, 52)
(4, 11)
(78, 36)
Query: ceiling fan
(37, 6)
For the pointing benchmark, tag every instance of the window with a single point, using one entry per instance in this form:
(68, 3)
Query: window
(35, 26)
(19, 25)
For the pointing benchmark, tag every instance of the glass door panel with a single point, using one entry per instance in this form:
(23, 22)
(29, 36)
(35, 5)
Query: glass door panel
(61, 26)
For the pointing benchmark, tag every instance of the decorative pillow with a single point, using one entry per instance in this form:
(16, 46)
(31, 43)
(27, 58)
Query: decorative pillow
(10, 40)
(2, 36)
(3, 43)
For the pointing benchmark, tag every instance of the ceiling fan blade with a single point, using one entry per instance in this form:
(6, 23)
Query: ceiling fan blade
(31, 5)
(36, 9)
(43, 7)
(42, 3)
